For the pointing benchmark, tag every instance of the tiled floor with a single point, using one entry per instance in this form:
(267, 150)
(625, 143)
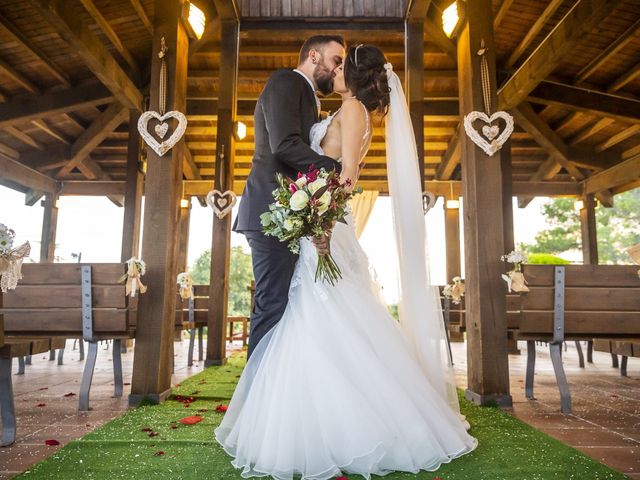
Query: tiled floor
(605, 423)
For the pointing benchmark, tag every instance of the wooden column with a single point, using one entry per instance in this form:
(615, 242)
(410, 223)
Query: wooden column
(414, 82)
(221, 237)
(588, 231)
(452, 246)
(49, 228)
(182, 245)
(488, 369)
(133, 193)
(153, 359)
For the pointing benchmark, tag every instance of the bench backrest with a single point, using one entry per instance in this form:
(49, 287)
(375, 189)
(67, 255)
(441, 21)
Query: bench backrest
(49, 301)
(596, 300)
(200, 306)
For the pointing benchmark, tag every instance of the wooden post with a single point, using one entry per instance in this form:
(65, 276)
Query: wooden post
(49, 228)
(414, 82)
(133, 193)
(153, 360)
(488, 369)
(452, 246)
(221, 237)
(588, 231)
(182, 245)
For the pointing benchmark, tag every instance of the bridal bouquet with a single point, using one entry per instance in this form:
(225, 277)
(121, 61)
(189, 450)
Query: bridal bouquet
(306, 207)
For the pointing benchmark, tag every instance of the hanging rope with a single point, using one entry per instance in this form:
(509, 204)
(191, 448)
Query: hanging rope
(484, 77)
(162, 101)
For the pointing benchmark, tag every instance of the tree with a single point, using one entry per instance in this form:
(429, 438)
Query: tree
(617, 228)
(240, 278)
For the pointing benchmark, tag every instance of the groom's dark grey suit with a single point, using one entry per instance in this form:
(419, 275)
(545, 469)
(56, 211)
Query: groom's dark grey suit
(284, 114)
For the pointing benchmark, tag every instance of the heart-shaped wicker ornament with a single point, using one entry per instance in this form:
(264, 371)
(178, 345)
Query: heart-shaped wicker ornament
(161, 129)
(221, 203)
(162, 147)
(496, 143)
(428, 201)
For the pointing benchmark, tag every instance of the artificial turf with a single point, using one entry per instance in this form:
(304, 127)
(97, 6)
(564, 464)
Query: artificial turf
(150, 442)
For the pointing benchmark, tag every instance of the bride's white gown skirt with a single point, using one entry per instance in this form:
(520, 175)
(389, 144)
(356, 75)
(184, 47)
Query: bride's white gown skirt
(333, 388)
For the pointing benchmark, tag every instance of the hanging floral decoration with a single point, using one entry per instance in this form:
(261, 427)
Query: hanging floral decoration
(454, 291)
(136, 268)
(161, 128)
(491, 139)
(185, 283)
(11, 259)
(514, 277)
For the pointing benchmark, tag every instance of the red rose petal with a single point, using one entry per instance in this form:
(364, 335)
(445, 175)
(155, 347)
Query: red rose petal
(43, 388)
(191, 420)
(147, 429)
(159, 453)
(51, 443)
(221, 408)
(70, 394)
(153, 434)
(41, 405)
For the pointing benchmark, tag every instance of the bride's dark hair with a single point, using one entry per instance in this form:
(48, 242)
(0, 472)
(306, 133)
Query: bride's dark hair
(366, 77)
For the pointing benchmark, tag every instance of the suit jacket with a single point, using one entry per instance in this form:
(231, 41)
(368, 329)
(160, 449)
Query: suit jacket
(284, 114)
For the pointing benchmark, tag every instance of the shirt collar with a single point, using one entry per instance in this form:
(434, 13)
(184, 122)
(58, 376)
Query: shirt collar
(307, 79)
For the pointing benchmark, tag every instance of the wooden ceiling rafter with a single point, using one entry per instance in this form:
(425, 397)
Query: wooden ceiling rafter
(451, 158)
(16, 172)
(501, 13)
(91, 50)
(617, 175)
(625, 78)
(142, 15)
(590, 130)
(618, 138)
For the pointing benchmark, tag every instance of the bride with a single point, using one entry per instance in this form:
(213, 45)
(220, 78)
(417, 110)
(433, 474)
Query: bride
(338, 386)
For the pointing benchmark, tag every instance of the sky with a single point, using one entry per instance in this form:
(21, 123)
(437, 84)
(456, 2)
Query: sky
(92, 226)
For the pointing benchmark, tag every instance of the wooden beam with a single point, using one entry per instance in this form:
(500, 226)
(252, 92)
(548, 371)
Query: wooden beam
(211, 31)
(488, 375)
(49, 228)
(134, 187)
(624, 172)
(96, 188)
(591, 130)
(311, 26)
(501, 13)
(608, 52)
(93, 136)
(142, 15)
(414, 73)
(24, 138)
(533, 32)
(619, 137)
(451, 158)
(25, 108)
(190, 170)
(90, 49)
(416, 10)
(438, 37)
(16, 172)
(586, 100)
(575, 25)
(17, 77)
(221, 235)
(153, 360)
(452, 240)
(625, 78)
(104, 25)
(44, 59)
(588, 231)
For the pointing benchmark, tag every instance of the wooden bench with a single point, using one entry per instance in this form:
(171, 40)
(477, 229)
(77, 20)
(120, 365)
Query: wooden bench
(576, 302)
(624, 348)
(73, 301)
(11, 348)
(192, 315)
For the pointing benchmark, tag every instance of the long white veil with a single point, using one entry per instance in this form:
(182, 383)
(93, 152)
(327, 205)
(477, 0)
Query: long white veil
(419, 305)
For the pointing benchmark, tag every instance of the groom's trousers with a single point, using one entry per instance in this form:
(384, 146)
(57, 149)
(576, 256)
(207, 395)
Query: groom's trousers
(273, 266)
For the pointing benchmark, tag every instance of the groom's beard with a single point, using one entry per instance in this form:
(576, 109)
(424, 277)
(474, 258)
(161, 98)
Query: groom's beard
(324, 79)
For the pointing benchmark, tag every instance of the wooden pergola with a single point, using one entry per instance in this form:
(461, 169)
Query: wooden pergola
(76, 74)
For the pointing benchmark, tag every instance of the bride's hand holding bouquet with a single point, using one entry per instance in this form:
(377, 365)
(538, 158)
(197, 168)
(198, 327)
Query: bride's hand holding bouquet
(309, 207)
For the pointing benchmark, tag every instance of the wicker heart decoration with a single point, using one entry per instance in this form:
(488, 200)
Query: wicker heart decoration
(428, 201)
(490, 131)
(161, 130)
(221, 203)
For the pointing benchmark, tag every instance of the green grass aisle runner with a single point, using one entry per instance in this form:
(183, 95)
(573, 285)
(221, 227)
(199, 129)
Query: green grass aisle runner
(150, 442)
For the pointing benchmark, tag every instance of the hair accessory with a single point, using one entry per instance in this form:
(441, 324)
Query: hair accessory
(355, 54)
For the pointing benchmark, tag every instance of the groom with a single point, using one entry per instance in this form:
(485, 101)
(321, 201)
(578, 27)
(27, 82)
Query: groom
(284, 114)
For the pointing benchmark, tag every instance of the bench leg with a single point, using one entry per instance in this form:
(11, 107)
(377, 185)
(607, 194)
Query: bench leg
(81, 349)
(580, 355)
(61, 356)
(7, 408)
(531, 368)
(623, 366)
(590, 351)
(20, 366)
(123, 347)
(200, 346)
(561, 378)
(87, 376)
(192, 340)
(614, 360)
(117, 368)
(28, 360)
(52, 355)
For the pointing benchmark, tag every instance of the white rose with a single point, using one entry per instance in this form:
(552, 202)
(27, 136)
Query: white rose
(324, 202)
(301, 182)
(317, 185)
(288, 225)
(298, 200)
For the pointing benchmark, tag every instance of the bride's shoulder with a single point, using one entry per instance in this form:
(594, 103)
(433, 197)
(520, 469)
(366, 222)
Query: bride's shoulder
(353, 108)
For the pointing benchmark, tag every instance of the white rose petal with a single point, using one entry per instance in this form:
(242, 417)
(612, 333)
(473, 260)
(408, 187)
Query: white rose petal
(317, 185)
(301, 182)
(298, 200)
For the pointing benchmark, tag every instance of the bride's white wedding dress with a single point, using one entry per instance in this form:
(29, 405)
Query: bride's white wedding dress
(334, 387)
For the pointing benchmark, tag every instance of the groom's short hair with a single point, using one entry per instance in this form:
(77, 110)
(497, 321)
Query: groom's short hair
(317, 42)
